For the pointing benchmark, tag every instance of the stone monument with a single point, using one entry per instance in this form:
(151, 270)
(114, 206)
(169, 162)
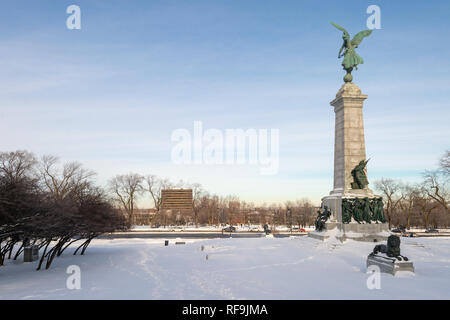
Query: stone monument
(355, 211)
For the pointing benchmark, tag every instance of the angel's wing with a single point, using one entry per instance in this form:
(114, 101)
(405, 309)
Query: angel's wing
(358, 38)
(339, 27)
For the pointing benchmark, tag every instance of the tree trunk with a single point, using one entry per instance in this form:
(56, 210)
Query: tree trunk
(79, 248)
(60, 252)
(54, 251)
(43, 254)
(86, 245)
(22, 246)
(196, 219)
(11, 247)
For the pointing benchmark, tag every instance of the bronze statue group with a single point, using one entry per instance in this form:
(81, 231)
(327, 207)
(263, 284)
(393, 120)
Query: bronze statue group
(366, 210)
(362, 210)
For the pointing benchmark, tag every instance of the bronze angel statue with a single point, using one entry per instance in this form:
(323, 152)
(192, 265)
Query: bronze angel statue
(351, 58)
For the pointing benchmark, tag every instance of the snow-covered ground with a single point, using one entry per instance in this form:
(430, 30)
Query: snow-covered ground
(261, 268)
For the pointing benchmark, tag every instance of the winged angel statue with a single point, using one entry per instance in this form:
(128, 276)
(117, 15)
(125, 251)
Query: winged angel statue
(351, 58)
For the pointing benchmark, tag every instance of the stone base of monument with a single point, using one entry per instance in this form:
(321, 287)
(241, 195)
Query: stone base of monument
(329, 231)
(372, 232)
(319, 235)
(389, 265)
(353, 231)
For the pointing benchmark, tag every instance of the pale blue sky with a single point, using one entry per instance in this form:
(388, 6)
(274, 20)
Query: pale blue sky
(110, 95)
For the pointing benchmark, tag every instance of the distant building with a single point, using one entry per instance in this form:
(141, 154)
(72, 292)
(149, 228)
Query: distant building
(142, 217)
(177, 201)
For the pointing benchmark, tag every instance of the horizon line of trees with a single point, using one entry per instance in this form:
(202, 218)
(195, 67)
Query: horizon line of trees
(207, 209)
(53, 205)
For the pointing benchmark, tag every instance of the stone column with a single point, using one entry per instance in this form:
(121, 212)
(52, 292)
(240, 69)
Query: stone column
(349, 144)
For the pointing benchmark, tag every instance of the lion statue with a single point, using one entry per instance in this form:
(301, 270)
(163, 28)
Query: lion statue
(392, 249)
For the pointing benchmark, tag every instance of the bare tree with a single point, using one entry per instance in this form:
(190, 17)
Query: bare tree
(277, 213)
(426, 205)
(409, 195)
(62, 181)
(202, 208)
(390, 189)
(288, 213)
(237, 210)
(126, 188)
(17, 165)
(444, 163)
(306, 214)
(154, 186)
(212, 208)
(197, 193)
(436, 188)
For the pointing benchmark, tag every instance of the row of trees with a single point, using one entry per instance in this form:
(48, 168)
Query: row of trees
(423, 204)
(207, 209)
(51, 205)
(214, 210)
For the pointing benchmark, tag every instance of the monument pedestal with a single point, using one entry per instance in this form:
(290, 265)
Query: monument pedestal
(330, 230)
(389, 265)
(353, 231)
(349, 151)
(373, 232)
